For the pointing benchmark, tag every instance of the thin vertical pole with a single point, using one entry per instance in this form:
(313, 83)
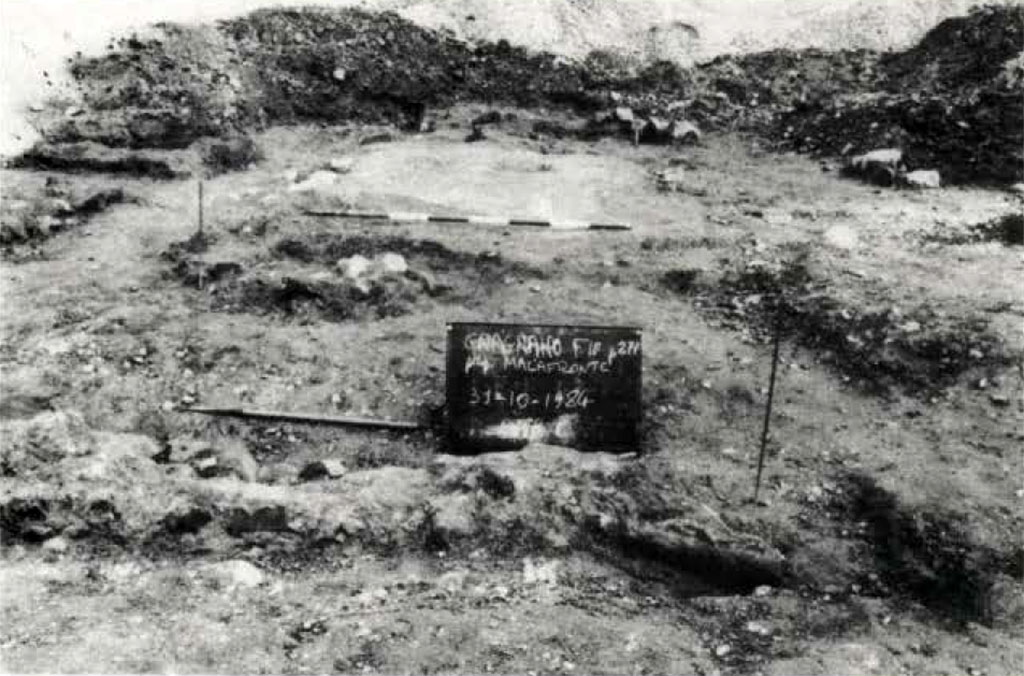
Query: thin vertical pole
(768, 408)
(200, 207)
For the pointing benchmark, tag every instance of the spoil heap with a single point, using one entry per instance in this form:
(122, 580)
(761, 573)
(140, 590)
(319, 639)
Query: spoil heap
(291, 65)
(954, 102)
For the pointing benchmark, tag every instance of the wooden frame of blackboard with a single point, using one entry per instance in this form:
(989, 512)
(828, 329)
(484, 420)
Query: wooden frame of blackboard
(619, 432)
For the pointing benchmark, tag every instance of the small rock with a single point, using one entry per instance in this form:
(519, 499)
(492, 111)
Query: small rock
(452, 581)
(354, 267)
(723, 650)
(923, 179)
(376, 138)
(37, 108)
(394, 263)
(330, 468)
(56, 545)
(999, 399)
(758, 628)
(339, 74)
(235, 573)
(623, 114)
(477, 134)
(73, 111)
(317, 181)
(840, 237)
(684, 131)
(341, 165)
(880, 167)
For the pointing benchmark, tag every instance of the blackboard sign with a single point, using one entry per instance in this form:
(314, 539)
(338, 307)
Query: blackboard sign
(513, 384)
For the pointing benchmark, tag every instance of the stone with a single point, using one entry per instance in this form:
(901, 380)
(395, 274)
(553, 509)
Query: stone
(37, 107)
(56, 545)
(383, 137)
(316, 182)
(923, 179)
(393, 263)
(354, 267)
(329, 468)
(623, 114)
(841, 237)
(684, 131)
(759, 628)
(235, 573)
(341, 165)
(999, 399)
(339, 74)
(453, 580)
(73, 111)
(880, 167)
(540, 572)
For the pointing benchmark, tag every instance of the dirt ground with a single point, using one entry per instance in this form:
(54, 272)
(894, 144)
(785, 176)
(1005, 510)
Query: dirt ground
(887, 537)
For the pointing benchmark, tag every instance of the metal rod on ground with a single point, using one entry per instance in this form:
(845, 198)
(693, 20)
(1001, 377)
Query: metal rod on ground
(283, 416)
(768, 408)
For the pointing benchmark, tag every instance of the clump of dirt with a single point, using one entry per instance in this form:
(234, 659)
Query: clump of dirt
(323, 298)
(877, 347)
(929, 555)
(234, 153)
(1007, 229)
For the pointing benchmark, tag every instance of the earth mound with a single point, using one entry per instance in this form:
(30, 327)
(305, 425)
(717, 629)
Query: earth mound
(952, 102)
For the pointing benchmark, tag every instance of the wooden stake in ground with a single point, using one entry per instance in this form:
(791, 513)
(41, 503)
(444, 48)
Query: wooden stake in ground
(771, 396)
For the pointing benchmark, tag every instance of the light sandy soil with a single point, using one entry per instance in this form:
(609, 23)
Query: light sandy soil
(77, 312)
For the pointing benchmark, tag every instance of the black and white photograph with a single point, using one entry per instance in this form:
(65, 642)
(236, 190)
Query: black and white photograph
(512, 337)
